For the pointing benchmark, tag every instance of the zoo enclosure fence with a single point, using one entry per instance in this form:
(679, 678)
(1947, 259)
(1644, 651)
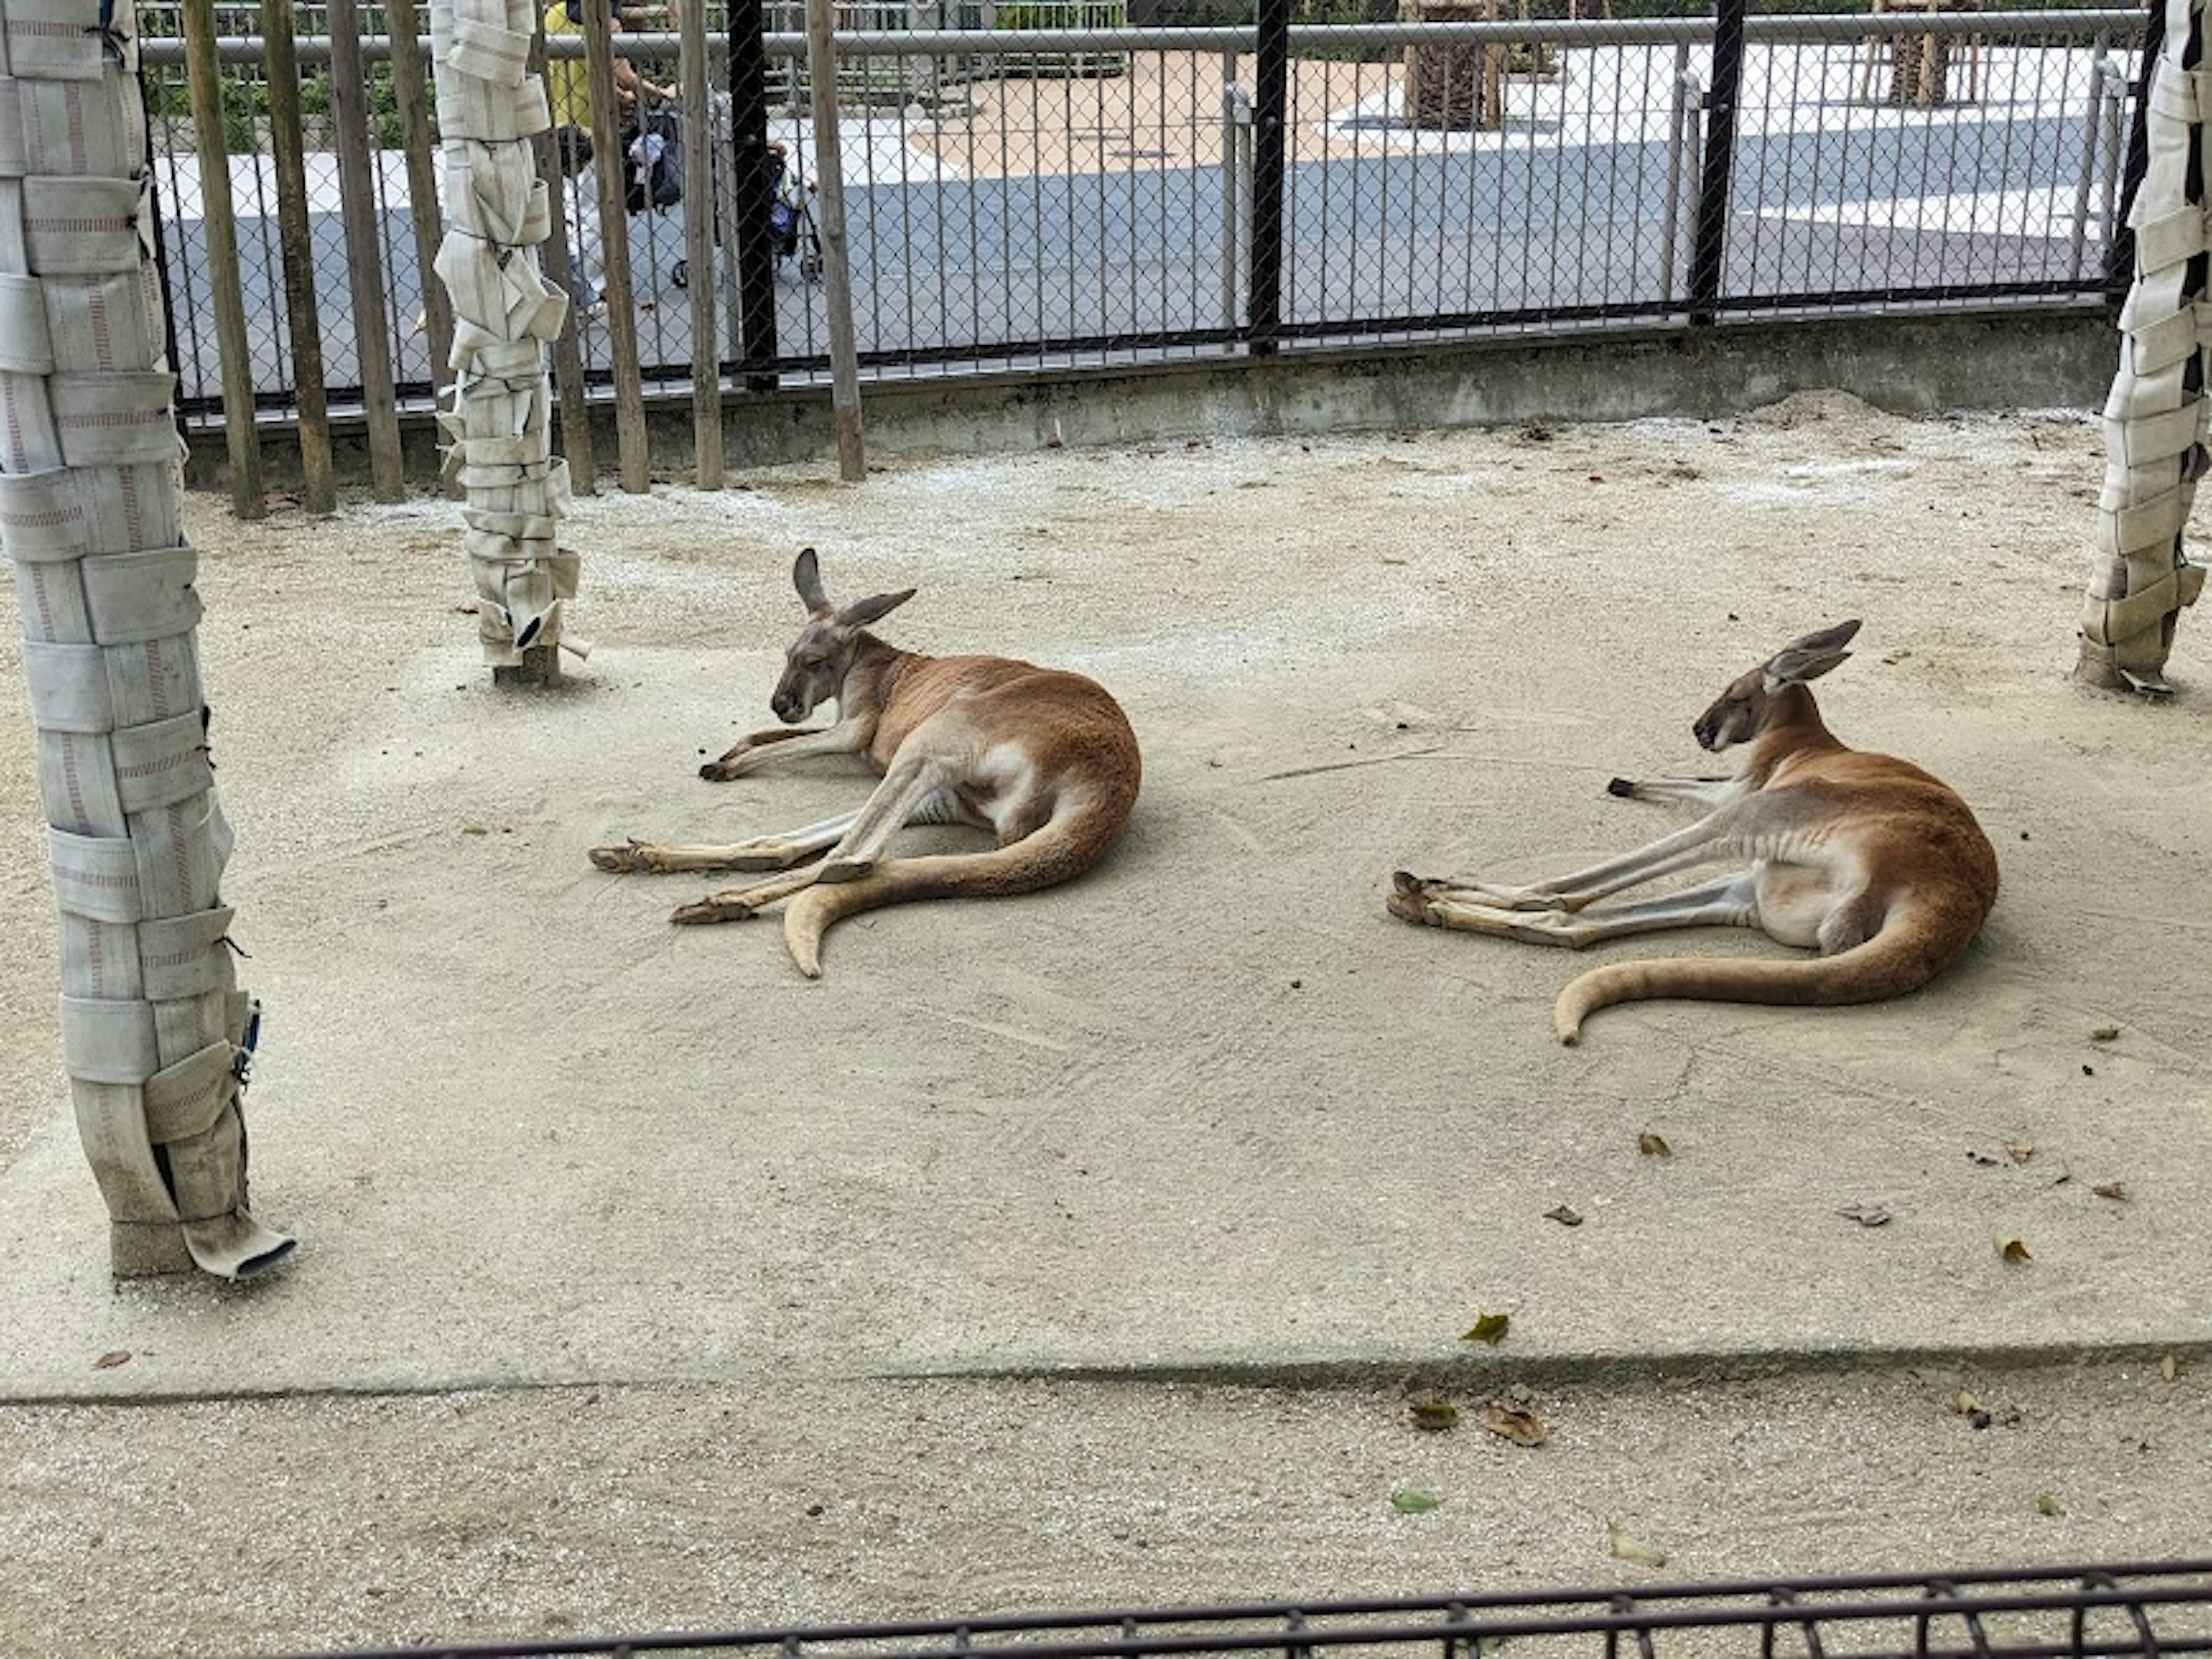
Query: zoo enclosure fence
(1059, 199)
(2147, 1609)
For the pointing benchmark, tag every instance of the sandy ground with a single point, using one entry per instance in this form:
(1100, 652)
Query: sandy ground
(1208, 1114)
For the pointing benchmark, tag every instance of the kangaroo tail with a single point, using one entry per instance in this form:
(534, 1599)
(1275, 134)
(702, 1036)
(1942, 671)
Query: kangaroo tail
(1058, 850)
(1907, 953)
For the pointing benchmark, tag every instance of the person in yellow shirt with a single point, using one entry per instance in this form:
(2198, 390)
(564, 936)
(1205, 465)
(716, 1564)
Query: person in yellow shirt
(568, 91)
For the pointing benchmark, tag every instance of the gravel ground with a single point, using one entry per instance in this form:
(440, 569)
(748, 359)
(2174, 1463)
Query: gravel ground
(1420, 647)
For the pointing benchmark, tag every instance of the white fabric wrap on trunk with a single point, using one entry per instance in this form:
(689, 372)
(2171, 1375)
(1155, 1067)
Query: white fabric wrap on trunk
(2154, 423)
(154, 1027)
(490, 107)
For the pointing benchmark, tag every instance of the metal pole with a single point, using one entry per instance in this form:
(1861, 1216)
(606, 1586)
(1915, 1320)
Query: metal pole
(2120, 251)
(837, 268)
(1678, 121)
(1236, 114)
(1272, 71)
(752, 244)
(1710, 248)
(2092, 133)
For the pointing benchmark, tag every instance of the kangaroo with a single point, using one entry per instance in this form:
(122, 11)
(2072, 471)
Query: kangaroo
(1043, 759)
(1868, 858)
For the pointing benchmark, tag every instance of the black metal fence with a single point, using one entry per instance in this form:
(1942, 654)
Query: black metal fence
(2042, 1613)
(1025, 194)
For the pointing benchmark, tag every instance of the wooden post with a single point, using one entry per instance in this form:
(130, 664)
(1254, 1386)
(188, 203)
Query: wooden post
(574, 398)
(364, 257)
(411, 82)
(699, 247)
(241, 441)
(318, 493)
(836, 258)
(632, 462)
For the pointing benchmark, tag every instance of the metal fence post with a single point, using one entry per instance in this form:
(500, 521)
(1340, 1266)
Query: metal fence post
(1235, 123)
(2120, 253)
(750, 236)
(1708, 247)
(1684, 88)
(1264, 312)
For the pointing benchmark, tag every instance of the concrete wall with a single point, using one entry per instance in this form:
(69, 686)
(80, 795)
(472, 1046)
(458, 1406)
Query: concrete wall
(2038, 359)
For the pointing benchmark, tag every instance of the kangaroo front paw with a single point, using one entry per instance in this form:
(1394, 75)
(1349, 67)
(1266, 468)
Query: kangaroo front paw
(715, 907)
(630, 857)
(1409, 898)
(720, 771)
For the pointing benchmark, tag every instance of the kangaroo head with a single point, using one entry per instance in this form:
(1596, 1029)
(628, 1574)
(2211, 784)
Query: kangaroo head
(1768, 692)
(815, 666)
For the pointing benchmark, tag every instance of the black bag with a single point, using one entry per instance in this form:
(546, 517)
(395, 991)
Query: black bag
(652, 162)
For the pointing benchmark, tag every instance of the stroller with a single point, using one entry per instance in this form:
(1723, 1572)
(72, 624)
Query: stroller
(790, 218)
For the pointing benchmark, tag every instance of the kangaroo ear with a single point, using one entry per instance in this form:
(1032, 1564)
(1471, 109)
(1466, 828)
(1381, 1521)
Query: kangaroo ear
(1810, 657)
(861, 612)
(806, 577)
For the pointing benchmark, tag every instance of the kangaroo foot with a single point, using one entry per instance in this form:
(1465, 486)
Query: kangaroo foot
(846, 869)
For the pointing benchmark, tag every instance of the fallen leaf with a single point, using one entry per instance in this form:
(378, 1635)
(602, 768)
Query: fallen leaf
(2168, 1369)
(1895, 658)
(1433, 1416)
(1489, 1327)
(1413, 1502)
(2105, 1034)
(2019, 1151)
(1523, 1428)
(2014, 1249)
(1964, 1403)
(2047, 1504)
(1867, 1215)
(111, 1360)
(1653, 1146)
(1629, 1548)
(1565, 1214)
(474, 829)
(2112, 1189)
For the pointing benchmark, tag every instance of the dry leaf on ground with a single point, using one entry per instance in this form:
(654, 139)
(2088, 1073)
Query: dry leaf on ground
(1867, 1215)
(1523, 1428)
(1433, 1416)
(1653, 1146)
(2014, 1249)
(1629, 1548)
(1565, 1214)
(1489, 1327)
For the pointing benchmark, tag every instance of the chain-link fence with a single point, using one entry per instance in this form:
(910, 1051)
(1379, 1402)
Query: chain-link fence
(1067, 183)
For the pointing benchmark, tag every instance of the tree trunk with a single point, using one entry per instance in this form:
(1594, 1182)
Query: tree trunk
(155, 1032)
(491, 105)
(2155, 417)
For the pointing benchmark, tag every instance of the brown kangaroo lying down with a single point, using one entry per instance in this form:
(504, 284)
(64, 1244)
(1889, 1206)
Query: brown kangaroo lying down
(1869, 859)
(1043, 759)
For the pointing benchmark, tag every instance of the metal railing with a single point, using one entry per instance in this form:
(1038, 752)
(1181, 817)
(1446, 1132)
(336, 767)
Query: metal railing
(1065, 198)
(2042, 1613)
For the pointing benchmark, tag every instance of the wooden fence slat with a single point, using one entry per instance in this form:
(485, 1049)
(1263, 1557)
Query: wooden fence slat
(699, 165)
(411, 84)
(836, 256)
(632, 462)
(357, 202)
(570, 393)
(241, 441)
(318, 491)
